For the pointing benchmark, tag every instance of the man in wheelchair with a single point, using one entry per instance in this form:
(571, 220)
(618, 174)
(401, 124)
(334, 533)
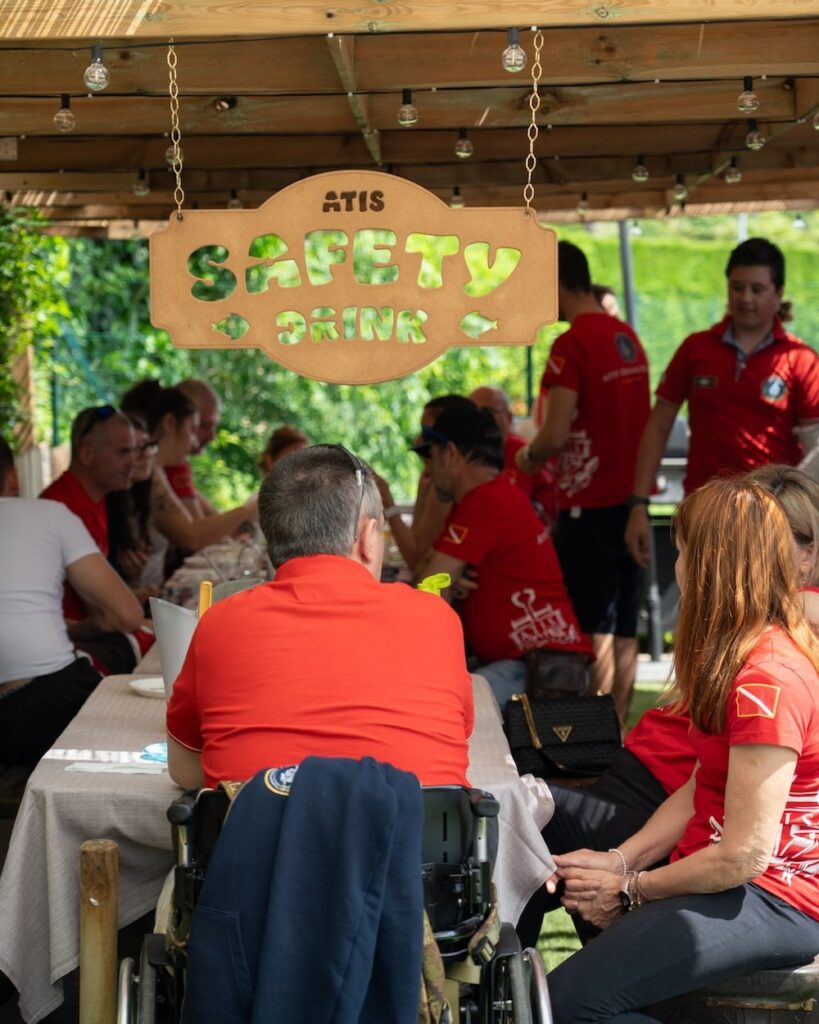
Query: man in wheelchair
(313, 903)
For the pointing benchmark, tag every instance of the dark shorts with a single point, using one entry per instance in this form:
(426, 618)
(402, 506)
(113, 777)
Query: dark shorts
(605, 584)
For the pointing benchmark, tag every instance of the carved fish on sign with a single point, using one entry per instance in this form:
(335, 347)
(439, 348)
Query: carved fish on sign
(353, 277)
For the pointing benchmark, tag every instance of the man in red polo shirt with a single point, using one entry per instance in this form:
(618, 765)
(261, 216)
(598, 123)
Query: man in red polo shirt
(520, 604)
(748, 382)
(103, 456)
(326, 659)
(596, 401)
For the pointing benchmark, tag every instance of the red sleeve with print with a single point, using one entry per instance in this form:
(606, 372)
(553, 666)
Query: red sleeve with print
(470, 532)
(675, 383)
(563, 367)
(806, 381)
(765, 708)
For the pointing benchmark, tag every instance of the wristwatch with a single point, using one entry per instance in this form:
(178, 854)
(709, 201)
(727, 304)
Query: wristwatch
(627, 897)
(637, 499)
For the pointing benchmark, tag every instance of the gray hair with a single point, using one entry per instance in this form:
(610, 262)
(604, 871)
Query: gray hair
(308, 501)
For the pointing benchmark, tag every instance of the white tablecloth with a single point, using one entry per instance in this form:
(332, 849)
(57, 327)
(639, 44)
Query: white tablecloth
(39, 887)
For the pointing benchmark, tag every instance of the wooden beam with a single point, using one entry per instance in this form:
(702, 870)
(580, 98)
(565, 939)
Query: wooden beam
(160, 19)
(342, 50)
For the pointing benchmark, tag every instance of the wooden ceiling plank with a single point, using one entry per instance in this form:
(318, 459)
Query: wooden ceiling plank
(342, 50)
(160, 19)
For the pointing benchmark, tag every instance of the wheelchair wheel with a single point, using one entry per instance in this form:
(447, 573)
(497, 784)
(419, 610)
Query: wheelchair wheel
(538, 987)
(146, 989)
(126, 996)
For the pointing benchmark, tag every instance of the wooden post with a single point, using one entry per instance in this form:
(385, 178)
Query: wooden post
(99, 872)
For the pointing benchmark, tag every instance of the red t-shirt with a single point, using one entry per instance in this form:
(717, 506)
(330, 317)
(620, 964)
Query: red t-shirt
(741, 416)
(521, 602)
(774, 700)
(181, 480)
(661, 740)
(600, 358)
(327, 661)
(68, 490)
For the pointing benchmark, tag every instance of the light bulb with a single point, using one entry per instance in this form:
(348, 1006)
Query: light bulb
(234, 203)
(799, 222)
(747, 101)
(169, 155)
(96, 75)
(513, 57)
(64, 120)
(457, 200)
(680, 192)
(583, 203)
(733, 175)
(141, 187)
(463, 147)
(636, 230)
(816, 120)
(640, 172)
(754, 139)
(407, 114)
(224, 103)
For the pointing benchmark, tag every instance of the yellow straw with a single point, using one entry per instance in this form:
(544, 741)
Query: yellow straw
(205, 596)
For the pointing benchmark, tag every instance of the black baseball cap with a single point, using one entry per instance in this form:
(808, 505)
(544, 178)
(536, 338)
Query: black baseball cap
(468, 430)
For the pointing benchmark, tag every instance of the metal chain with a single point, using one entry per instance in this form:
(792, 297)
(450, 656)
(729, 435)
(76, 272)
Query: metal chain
(176, 134)
(532, 131)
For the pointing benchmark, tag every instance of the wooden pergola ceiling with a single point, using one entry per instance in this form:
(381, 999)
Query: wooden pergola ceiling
(620, 80)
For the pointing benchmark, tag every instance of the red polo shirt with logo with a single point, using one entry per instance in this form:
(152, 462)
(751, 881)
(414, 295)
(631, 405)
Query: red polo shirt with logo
(600, 358)
(521, 602)
(68, 490)
(741, 414)
(325, 660)
(774, 701)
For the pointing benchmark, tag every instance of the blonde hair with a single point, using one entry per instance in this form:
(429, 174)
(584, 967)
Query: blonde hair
(798, 495)
(738, 581)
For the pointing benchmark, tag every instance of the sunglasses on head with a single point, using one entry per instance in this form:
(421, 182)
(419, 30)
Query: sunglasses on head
(97, 415)
(360, 471)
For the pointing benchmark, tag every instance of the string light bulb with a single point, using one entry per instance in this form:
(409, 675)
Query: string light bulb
(816, 120)
(641, 172)
(680, 192)
(96, 76)
(224, 103)
(513, 57)
(456, 201)
(799, 222)
(583, 203)
(407, 114)
(754, 139)
(733, 175)
(463, 147)
(141, 187)
(64, 120)
(234, 202)
(747, 101)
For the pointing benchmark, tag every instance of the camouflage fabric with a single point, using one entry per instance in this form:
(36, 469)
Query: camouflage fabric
(433, 1007)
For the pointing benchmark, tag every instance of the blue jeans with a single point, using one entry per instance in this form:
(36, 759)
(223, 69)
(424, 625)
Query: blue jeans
(678, 945)
(505, 678)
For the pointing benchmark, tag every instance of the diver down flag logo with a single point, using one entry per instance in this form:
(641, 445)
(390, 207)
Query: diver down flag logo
(757, 700)
(563, 732)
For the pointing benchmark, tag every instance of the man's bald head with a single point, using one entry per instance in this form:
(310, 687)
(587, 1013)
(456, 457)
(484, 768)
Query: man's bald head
(207, 402)
(496, 401)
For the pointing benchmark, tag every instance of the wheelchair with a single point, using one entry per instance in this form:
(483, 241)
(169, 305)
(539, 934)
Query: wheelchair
(489, 979)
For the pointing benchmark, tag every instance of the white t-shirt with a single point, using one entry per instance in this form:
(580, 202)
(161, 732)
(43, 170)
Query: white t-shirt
(38, 539)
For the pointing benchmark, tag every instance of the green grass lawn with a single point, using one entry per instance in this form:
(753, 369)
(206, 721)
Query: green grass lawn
(558, 939)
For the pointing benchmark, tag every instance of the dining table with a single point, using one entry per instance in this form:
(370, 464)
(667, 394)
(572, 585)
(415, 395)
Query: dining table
(101, 780)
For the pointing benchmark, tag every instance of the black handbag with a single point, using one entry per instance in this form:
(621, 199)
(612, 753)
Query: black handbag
(569, 737)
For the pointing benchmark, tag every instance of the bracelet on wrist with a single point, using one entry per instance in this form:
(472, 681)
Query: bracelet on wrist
(637, 499)
(639, 891)
(623, 861)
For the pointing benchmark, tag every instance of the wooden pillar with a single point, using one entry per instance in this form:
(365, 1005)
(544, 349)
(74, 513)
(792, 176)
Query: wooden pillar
(22, 372)
(99, 871)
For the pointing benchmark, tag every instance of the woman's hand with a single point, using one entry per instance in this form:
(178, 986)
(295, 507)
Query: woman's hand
(132, 561)
(592, 895)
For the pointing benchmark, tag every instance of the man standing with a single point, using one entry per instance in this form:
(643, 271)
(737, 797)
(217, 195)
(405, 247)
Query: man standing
(520, 606)
(325, 659)
(749, 385)
(103, 455)
(180, 477)
(596, 404)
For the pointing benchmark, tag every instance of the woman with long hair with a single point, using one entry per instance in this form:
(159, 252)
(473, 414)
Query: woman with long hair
(741, 889)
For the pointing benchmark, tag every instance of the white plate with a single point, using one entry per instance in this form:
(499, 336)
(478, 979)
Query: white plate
(149, 686)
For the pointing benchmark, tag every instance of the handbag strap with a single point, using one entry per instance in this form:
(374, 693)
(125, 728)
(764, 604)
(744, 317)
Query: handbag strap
(529, 718)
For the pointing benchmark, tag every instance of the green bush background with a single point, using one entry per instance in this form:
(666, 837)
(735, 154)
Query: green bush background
(88, 317)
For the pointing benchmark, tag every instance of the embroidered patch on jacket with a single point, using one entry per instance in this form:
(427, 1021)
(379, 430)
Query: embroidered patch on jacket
(706, 382)
(555, 364)
(626, 347)
(456, 534)
(773, 388)
(757, 700)
(279, 780)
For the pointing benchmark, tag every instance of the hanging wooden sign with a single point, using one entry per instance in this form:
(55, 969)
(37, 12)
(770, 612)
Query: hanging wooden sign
(353, 277)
